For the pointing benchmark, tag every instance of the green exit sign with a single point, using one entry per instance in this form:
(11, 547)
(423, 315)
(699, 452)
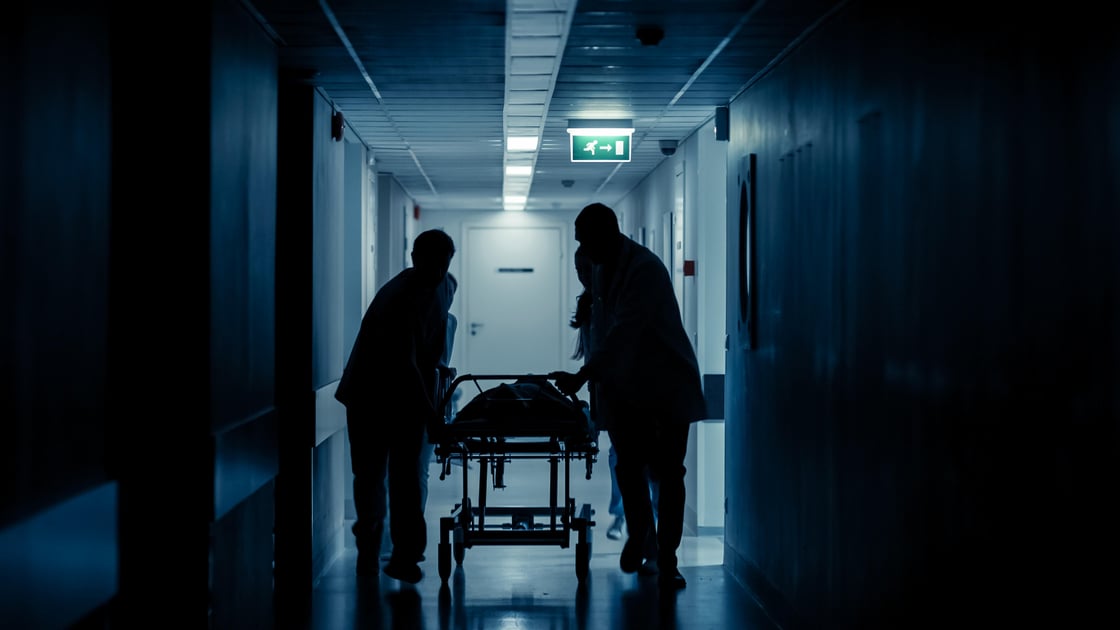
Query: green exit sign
(600, 148)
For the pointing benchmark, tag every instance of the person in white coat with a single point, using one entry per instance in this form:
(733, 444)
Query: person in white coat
(647, 383)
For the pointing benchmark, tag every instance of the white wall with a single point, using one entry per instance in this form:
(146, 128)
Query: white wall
(710, 227)
(705, 170)
(454, 222)
(396, 229)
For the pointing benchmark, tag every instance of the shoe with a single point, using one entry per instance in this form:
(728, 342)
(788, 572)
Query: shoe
(671, 579)
(367, 565)
(404, 572)
(631, 558)
(614, 532)
(649, 567)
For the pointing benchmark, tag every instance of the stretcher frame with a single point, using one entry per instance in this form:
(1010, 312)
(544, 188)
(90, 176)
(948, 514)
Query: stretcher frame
(492, 446)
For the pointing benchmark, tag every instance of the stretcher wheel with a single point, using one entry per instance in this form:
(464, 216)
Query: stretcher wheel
(444, 561)
(583, 560)
(466, 514)
(457, 548)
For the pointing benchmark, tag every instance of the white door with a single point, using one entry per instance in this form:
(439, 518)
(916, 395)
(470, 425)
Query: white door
(513, 315)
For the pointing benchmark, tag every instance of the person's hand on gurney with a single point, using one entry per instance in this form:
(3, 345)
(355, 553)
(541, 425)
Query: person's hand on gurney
(567, 382)
(435, 423)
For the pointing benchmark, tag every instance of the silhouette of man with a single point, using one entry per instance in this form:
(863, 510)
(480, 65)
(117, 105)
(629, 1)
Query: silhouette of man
(585, 322)
(388, 388)
(647, 382)
(428, 448)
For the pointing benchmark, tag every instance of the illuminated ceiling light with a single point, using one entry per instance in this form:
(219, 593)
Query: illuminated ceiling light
(536, 35)
(514, 202)
(521, 143)
(600, 131)
(600, 126)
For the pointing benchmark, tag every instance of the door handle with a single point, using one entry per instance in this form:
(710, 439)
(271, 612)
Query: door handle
(474, 328)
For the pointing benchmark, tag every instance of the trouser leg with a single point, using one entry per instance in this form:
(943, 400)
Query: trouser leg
(614, 508)
(630, 469)
(668, 469)
(368, 459)
(406, 516)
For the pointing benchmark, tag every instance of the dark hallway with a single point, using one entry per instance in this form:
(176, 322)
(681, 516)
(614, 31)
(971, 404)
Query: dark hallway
(894, 240)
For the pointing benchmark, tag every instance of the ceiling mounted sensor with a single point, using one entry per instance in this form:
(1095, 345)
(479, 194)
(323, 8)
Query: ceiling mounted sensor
(668, 147)
(567, 183)
(650, 34)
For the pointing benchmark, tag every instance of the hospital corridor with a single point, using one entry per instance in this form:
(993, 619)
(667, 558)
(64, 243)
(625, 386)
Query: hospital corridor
(854, 262)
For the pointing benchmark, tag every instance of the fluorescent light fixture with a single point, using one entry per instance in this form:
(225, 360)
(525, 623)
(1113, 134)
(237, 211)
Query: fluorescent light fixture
(600, 131)
(600, 127)
(521, 143)
(519, 170)
(514, 202)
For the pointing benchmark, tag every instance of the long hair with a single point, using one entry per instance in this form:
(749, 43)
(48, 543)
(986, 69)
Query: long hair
(581, 319)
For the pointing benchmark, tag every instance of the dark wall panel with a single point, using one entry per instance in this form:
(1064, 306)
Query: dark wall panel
(55, 487)
(243, 209)
(60, 565)
(244, 103)
(245, 459)
(54, 254)
(294, 397)
(930, 409)
(329, 211)
(160, 312)
(242, 565)
(243, 140)
(331, 479)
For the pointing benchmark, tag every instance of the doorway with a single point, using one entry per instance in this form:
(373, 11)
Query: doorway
(513, 314)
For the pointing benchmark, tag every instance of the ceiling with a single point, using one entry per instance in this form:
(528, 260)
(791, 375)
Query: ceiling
(433, 87)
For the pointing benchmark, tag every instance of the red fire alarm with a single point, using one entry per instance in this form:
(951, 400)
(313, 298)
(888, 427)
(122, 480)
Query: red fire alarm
(416, 211)
(690, 267)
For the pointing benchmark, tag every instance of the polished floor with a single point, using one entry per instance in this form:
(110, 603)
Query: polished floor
(529, 586)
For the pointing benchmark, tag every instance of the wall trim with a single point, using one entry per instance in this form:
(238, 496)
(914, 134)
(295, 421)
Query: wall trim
(62, 563)
(765, 594)
(330, 415)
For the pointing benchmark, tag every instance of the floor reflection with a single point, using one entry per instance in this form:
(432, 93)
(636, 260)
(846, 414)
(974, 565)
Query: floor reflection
(529, 586)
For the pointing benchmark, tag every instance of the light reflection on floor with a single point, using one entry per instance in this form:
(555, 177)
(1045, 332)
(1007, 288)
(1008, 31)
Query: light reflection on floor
(528, 586)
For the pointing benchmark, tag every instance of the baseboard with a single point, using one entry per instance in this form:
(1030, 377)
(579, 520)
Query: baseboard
(329, 553)
(768, 597)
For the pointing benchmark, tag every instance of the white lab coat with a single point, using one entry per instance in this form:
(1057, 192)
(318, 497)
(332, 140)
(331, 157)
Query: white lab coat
(642, 363)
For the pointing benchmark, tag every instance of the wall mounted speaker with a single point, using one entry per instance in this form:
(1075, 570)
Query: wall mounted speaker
(723, 124)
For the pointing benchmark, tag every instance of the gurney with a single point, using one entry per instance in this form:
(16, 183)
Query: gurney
(526, 419)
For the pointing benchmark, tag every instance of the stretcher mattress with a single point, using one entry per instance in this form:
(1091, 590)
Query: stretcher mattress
(524, 408)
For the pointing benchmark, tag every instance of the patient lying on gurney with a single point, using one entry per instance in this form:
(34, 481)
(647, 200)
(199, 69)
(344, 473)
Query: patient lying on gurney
(526, 407)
